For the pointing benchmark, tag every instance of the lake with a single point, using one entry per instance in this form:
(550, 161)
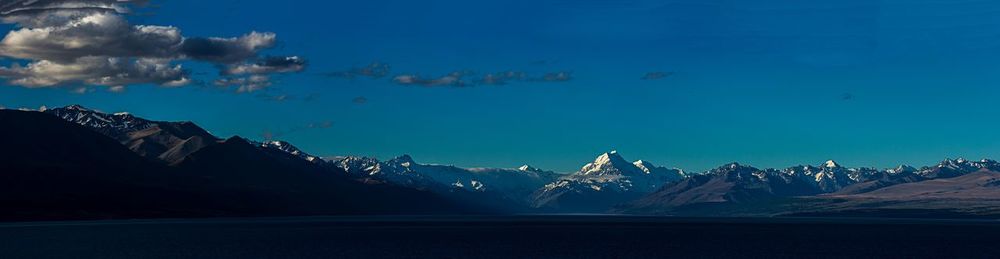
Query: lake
(528, 236)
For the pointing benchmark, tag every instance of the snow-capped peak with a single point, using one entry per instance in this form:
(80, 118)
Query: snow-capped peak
(831, 164)
(528, 168)
(108, 124)
(609, 172)
(404, 160)
(77, 107)
(609, 163)
(951, 163)
(288, 148)
(283, 146)
(609, 157)
(901, 169)
(644, 165)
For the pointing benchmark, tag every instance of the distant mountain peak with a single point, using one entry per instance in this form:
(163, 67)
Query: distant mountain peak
(831, 164)
(113, 125)
(609, 163)
(528, 168)
(902, 169)
(287, 147)
(279, 143)
(609, 173)
(608, 157)
(948, 162)
(283, 146)
(645, 166)
(237, 140)
(77, 107)
(405, 158)
(732, 167)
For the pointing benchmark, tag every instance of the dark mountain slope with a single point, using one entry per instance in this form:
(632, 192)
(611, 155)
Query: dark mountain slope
(53, 169)
(729, 185)
(983, 184)
(270, 180)
(166, 141)
(971, 195)
(883, 180)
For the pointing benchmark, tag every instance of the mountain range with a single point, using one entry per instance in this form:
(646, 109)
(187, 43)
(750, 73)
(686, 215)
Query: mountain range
(74, 162)
(51, 168)
(808, 190)
(168, 142)
(607, 181)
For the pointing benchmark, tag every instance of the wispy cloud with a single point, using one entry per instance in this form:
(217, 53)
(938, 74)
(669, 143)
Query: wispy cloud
(247, 84)
(503, 78)
(276, 98)
(372, 70)
(82, 90)
(268, 65)
(464, 78)
(453, 79)
(555, 77)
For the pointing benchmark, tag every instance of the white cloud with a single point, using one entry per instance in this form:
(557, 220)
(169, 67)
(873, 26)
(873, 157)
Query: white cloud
(98, 34)
(91, 42)
(103, 71)
(248, 84)
(269, 65)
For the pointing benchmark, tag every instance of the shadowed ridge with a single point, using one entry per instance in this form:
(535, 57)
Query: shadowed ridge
(53, 169)
(166, 141)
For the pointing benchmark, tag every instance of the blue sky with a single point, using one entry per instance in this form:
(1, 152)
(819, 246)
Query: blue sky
(777, 84)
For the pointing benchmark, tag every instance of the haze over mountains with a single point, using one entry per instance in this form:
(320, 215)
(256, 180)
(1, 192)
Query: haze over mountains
(73, 162)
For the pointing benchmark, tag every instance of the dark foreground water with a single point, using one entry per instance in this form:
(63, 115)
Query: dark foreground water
(501, 237)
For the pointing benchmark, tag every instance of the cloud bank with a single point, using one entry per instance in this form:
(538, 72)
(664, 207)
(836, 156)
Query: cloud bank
(90, 42)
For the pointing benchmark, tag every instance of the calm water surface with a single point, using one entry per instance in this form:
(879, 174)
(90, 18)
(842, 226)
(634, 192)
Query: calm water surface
(500, 237)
